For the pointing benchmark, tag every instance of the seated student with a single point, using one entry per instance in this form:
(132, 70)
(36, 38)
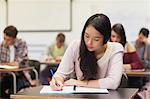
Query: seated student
(131, 59)
(12, 51)
(53, 55)
(143, 46)
(96, 62)
(56, 50)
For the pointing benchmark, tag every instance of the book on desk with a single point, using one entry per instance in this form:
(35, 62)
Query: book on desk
(70, 89)
(8, 67)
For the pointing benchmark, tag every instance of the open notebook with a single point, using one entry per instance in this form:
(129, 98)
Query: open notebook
(70, 89)
(8, 67)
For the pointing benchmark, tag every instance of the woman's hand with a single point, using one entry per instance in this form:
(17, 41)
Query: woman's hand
(127, 67)
(71, 82)
(56, 84)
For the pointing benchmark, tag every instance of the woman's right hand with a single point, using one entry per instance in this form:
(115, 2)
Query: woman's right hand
(56, 85)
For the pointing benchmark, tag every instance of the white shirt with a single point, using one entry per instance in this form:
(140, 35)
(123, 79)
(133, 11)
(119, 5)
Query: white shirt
(12, 53)
(110, 65)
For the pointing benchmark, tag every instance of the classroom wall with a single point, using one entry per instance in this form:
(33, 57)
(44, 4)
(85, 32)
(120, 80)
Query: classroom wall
(133, 14)
(2, 17)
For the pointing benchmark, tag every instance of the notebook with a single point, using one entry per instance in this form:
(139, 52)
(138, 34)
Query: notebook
(8, 67)
(70, 89)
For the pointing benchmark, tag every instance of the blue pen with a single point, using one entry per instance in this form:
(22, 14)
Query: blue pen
(51, 71)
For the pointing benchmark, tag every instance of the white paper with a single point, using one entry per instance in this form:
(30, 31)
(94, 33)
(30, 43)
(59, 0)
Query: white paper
(8, 67)
(69, 89)
(136, 70)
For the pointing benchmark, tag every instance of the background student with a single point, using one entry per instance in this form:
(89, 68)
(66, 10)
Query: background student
(95, 62)
(54, 55)
(12, 52)
(143, 46)
(131, 59)
(56, 50)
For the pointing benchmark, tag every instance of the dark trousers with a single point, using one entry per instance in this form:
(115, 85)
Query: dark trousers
(45, 75)
(6, 84)
(137, 82)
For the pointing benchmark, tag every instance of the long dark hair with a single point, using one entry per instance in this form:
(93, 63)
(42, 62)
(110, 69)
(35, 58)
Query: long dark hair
(119, 29)
(88, 60)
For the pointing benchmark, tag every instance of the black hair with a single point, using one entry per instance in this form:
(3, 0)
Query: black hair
(11, 31)
(144, 31)
(61, 37)
(119, 29)
(88, 60)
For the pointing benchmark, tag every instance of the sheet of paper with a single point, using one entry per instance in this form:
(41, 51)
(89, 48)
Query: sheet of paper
(136, 70)
(69, 89)
(8, 67)
(90, 90)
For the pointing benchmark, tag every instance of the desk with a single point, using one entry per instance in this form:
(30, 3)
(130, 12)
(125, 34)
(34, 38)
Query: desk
(12, 72)
(34, 93)
(142, 73)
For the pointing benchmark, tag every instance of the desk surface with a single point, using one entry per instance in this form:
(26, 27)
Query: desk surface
(34, 93)
(12, 72)
(138, 73)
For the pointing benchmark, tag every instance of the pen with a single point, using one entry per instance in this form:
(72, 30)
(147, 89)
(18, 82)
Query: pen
(51, 71)
(74, 87)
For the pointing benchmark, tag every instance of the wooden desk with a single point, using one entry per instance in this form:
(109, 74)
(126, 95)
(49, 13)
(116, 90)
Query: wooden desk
(12, 72)
(34, 93)
(136, 73)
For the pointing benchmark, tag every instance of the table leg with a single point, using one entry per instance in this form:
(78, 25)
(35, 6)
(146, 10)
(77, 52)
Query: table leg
(36, 74)
(14, 82)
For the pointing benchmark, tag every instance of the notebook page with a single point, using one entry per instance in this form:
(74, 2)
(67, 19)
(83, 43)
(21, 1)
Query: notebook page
(69, 89)
(8, 67)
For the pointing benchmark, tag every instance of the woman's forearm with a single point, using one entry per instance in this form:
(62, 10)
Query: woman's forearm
(92, 83)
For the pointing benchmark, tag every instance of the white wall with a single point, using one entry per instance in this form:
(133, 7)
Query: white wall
(2, 17)
(39, 15)
(133, 14)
